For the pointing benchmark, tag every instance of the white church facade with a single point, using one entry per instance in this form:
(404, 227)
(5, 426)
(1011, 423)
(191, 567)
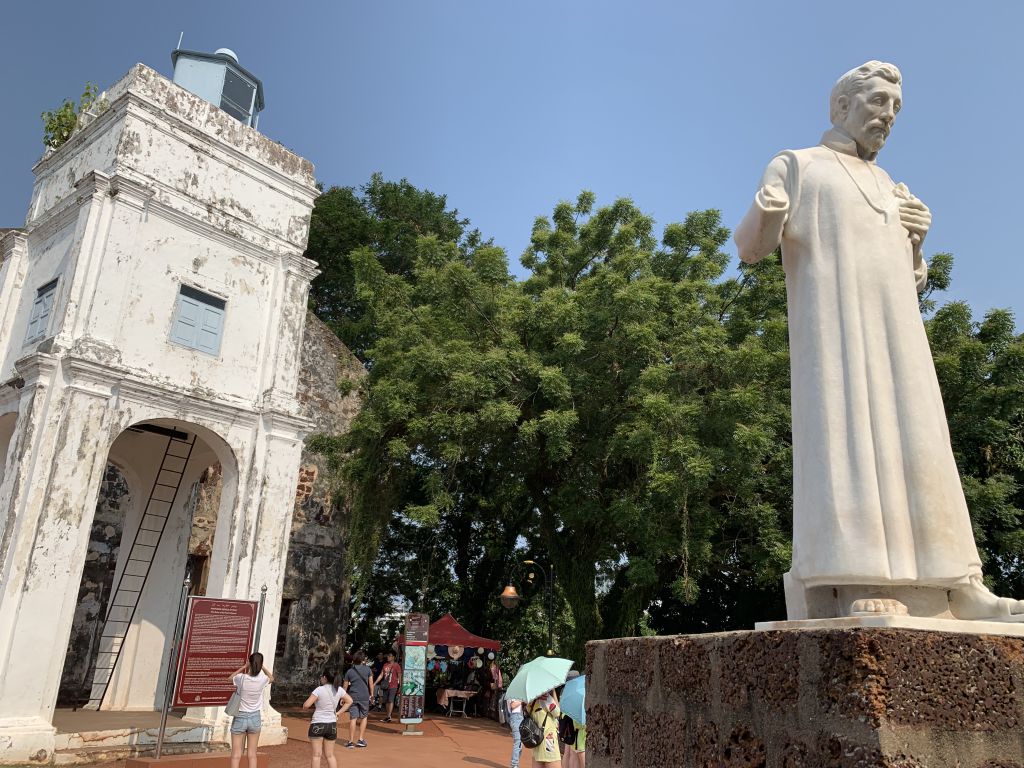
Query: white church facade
(152, 311)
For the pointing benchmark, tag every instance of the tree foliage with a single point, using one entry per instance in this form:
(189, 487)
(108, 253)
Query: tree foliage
(59, 124)
(386, 218)
(623, 411)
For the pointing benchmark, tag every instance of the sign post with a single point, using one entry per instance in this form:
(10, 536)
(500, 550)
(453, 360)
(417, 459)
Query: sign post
(172, 662)
(218, 639)
(414, 672)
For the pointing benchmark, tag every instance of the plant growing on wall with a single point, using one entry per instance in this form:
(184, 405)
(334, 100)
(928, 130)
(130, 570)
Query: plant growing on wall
(61, 123)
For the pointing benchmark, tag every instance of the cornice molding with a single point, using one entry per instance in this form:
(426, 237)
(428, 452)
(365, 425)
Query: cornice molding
(57, 217)
(15, 240)
(88, 375)
(297, 264)
(35, 367)
(133, 193)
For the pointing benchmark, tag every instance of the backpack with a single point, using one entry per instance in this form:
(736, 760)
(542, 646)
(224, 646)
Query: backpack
(566, 730)
(530, 733)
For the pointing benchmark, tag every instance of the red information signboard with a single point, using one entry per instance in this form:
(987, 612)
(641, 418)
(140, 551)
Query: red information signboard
(218, 639)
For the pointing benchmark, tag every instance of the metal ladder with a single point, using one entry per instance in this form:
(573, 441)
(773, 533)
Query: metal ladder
(125, 597)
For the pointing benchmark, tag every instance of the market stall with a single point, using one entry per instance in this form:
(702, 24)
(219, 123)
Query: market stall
(462, 671)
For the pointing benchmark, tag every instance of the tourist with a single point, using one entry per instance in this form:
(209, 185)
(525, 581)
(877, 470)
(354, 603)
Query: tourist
(494, 684)
(358, 683)
(377, 695)
(323, 729)
(545, 712)
(515, 719)
(249, 680)
(575, 749)
(390, 678)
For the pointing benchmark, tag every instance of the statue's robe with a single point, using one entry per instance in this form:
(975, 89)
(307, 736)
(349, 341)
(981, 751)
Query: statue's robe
(877, 497)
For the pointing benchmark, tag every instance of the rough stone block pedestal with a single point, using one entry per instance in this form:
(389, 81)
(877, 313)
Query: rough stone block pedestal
(848, 698)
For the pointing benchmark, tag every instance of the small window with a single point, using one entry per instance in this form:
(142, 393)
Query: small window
(237, 96)
(42, 308)
(198, 320)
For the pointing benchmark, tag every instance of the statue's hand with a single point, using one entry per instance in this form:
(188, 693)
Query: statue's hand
(915, 218)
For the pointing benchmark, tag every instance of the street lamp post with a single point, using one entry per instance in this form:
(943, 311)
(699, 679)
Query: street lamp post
(510, 598)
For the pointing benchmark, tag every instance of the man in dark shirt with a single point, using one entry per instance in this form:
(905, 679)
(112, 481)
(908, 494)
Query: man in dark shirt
(359, 681)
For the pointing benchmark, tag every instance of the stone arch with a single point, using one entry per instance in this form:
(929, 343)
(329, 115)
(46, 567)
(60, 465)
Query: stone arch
(146, 460)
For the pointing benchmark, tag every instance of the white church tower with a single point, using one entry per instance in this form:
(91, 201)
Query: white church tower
(151, 314)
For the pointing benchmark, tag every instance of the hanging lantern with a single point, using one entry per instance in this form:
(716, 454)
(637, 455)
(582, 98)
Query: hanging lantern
(490, 655)
(480, 651)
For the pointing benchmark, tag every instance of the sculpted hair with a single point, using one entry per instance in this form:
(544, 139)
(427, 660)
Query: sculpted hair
(854, 80)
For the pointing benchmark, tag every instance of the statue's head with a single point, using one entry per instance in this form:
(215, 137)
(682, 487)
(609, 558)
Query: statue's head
(864, 104)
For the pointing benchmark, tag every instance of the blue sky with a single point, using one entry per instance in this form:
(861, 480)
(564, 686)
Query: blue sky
(508, 107)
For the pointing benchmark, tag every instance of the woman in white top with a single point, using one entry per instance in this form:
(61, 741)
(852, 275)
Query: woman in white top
(323, 730)
(250, 681)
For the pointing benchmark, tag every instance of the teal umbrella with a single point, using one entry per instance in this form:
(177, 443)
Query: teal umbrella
(573, 699)
(537, 677)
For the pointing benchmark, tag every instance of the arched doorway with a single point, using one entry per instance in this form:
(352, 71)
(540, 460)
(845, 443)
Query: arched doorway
(143, 537)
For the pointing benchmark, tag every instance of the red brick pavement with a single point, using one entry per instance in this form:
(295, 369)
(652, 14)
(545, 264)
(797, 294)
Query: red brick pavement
(445, 743)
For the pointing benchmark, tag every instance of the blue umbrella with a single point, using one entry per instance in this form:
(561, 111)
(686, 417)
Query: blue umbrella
(574, 699)
(537, 677)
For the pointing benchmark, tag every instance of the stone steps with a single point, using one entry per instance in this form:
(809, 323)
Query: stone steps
(127, 736)
(117, 752)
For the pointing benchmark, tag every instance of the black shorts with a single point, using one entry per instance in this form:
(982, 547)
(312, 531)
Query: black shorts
(391, 696)
(326, 731)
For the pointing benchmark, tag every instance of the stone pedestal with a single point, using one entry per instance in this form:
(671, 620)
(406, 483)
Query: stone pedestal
(848, 698)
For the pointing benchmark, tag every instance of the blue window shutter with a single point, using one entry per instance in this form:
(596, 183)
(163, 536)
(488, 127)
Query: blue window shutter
(42, 308)
(33, 323)
(208, 338)
(198, 320)
(187, 321)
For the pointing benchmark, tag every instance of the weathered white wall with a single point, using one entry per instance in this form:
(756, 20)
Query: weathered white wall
(161, 189)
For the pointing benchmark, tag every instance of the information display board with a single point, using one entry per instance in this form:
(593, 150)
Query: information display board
(414, 668)
(218, 640)
(417, 628)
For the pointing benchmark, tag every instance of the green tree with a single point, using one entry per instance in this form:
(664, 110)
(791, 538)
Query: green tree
(385, 217)
(980, 366)
(620, 410)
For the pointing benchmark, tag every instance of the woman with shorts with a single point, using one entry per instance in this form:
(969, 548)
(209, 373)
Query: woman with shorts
(250, 681)
(323, 730)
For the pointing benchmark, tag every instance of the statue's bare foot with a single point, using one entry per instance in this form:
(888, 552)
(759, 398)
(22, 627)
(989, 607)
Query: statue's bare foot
(974, 601)
(875, 606)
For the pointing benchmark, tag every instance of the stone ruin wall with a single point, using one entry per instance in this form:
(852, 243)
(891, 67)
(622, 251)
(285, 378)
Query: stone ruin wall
(841, 698)
(313, 608)
(97, 581)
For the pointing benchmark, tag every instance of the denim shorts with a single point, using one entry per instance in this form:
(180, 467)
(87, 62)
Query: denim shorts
(246, 722)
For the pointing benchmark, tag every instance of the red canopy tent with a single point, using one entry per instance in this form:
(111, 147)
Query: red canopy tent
(448, 631)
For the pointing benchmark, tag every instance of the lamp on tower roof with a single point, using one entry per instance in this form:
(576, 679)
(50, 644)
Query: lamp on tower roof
(219, 79)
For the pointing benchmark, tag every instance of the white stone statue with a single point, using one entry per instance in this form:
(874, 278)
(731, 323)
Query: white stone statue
(880, 525)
